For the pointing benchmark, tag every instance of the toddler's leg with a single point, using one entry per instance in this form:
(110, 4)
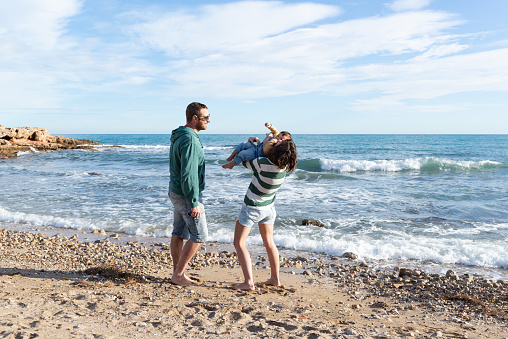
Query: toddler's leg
(232, 155)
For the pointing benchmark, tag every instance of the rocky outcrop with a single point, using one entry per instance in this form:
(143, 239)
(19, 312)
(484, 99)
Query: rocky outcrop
(22, 139)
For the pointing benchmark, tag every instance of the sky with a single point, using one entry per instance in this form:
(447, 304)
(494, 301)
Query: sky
(346, 67)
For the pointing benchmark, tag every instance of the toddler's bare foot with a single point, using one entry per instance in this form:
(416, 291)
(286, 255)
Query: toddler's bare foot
(243, 287)
(271, 282)
(229, 165)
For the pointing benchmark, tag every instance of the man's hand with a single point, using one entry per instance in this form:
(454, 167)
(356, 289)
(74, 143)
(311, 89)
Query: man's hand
(195, 212)
(254, 139)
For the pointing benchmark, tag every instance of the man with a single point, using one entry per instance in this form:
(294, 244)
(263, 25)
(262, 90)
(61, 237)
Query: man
(187, 181)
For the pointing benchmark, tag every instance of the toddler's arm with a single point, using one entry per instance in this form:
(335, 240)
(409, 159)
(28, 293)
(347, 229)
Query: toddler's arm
(272, 129)
(268, 146)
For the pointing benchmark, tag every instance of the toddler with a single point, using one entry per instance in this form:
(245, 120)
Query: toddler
(249, 151)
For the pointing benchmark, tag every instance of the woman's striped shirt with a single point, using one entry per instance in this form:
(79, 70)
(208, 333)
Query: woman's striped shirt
(266, 180)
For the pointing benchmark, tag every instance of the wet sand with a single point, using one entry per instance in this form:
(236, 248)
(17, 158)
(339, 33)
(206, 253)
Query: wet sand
(97, 286)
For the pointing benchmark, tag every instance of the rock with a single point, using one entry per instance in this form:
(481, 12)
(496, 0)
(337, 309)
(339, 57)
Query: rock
(405, 272)
(318, 223)
(39, 135)
(22, 139)
(450, 273)
(350, 255)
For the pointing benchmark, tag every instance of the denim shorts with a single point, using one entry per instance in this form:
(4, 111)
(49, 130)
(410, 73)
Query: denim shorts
(185, 226)
(250, 216)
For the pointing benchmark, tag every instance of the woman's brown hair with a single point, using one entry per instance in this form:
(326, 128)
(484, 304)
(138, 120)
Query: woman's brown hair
(284, 155)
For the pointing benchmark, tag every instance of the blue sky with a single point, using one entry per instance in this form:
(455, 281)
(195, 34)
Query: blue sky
(132, 66)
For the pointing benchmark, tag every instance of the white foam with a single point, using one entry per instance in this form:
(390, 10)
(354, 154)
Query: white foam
(400, 165)
(45, 220)
(217, 148)
(398, 245)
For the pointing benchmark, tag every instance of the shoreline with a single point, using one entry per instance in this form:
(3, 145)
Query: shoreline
(69, 287)
(122, 238)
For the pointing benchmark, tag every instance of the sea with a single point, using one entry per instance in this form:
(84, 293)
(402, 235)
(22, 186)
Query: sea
(436, 202)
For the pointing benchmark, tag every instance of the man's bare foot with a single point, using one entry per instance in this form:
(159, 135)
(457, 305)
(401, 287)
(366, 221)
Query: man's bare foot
(271, 282)
(229, 165)
(194, 280)
(243, 287)
(182, 280)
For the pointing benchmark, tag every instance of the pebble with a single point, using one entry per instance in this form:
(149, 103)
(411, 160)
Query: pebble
(467, 297)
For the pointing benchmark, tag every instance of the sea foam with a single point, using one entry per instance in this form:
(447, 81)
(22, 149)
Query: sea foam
(421, 164)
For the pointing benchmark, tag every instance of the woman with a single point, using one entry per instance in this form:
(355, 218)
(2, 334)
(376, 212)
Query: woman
(268, 176)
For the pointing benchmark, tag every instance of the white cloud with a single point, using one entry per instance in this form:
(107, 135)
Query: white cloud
(424, 79)
(228, 27)
(41, 59)
(30, 33)
(408, 5)
(442, 50)
(286, 59)
(34, 24)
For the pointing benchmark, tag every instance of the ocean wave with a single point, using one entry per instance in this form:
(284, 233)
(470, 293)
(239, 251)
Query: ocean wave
(44, 220)
(32, 150)
(120, 147)
(491, 254)
(422, 249)
(427, 164)
(314, 176)
(217, 148)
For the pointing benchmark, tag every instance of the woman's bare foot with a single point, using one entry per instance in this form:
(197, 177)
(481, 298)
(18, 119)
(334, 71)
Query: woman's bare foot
(183, 280)
(244, 287)
(229, 165)
(271, 282)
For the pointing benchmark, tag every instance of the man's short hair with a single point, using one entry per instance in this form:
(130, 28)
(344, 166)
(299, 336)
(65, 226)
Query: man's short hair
(194, 108)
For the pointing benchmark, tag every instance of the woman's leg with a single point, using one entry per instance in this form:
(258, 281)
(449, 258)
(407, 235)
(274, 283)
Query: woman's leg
(266, 231)
(241, 233)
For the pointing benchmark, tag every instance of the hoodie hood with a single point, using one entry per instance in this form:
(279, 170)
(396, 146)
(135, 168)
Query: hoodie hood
(184, 133)
(181, 132)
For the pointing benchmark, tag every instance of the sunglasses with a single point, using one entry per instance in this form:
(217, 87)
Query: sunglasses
(204, 118)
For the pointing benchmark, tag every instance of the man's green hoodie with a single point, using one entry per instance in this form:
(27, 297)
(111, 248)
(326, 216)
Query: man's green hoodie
(186, 164)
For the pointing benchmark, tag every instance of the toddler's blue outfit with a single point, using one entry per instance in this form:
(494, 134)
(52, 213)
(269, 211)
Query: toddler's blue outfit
(248, 151)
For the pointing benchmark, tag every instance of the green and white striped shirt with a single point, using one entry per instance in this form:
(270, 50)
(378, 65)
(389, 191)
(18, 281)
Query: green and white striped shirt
(266, 180)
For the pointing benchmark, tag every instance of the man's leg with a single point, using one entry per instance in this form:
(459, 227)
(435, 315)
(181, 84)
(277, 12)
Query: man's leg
(176, 250)
(188, 251)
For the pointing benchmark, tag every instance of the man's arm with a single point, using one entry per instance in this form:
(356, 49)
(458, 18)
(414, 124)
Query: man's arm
(190, 177)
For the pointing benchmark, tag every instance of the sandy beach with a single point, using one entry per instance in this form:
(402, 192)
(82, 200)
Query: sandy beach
(77, 287)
